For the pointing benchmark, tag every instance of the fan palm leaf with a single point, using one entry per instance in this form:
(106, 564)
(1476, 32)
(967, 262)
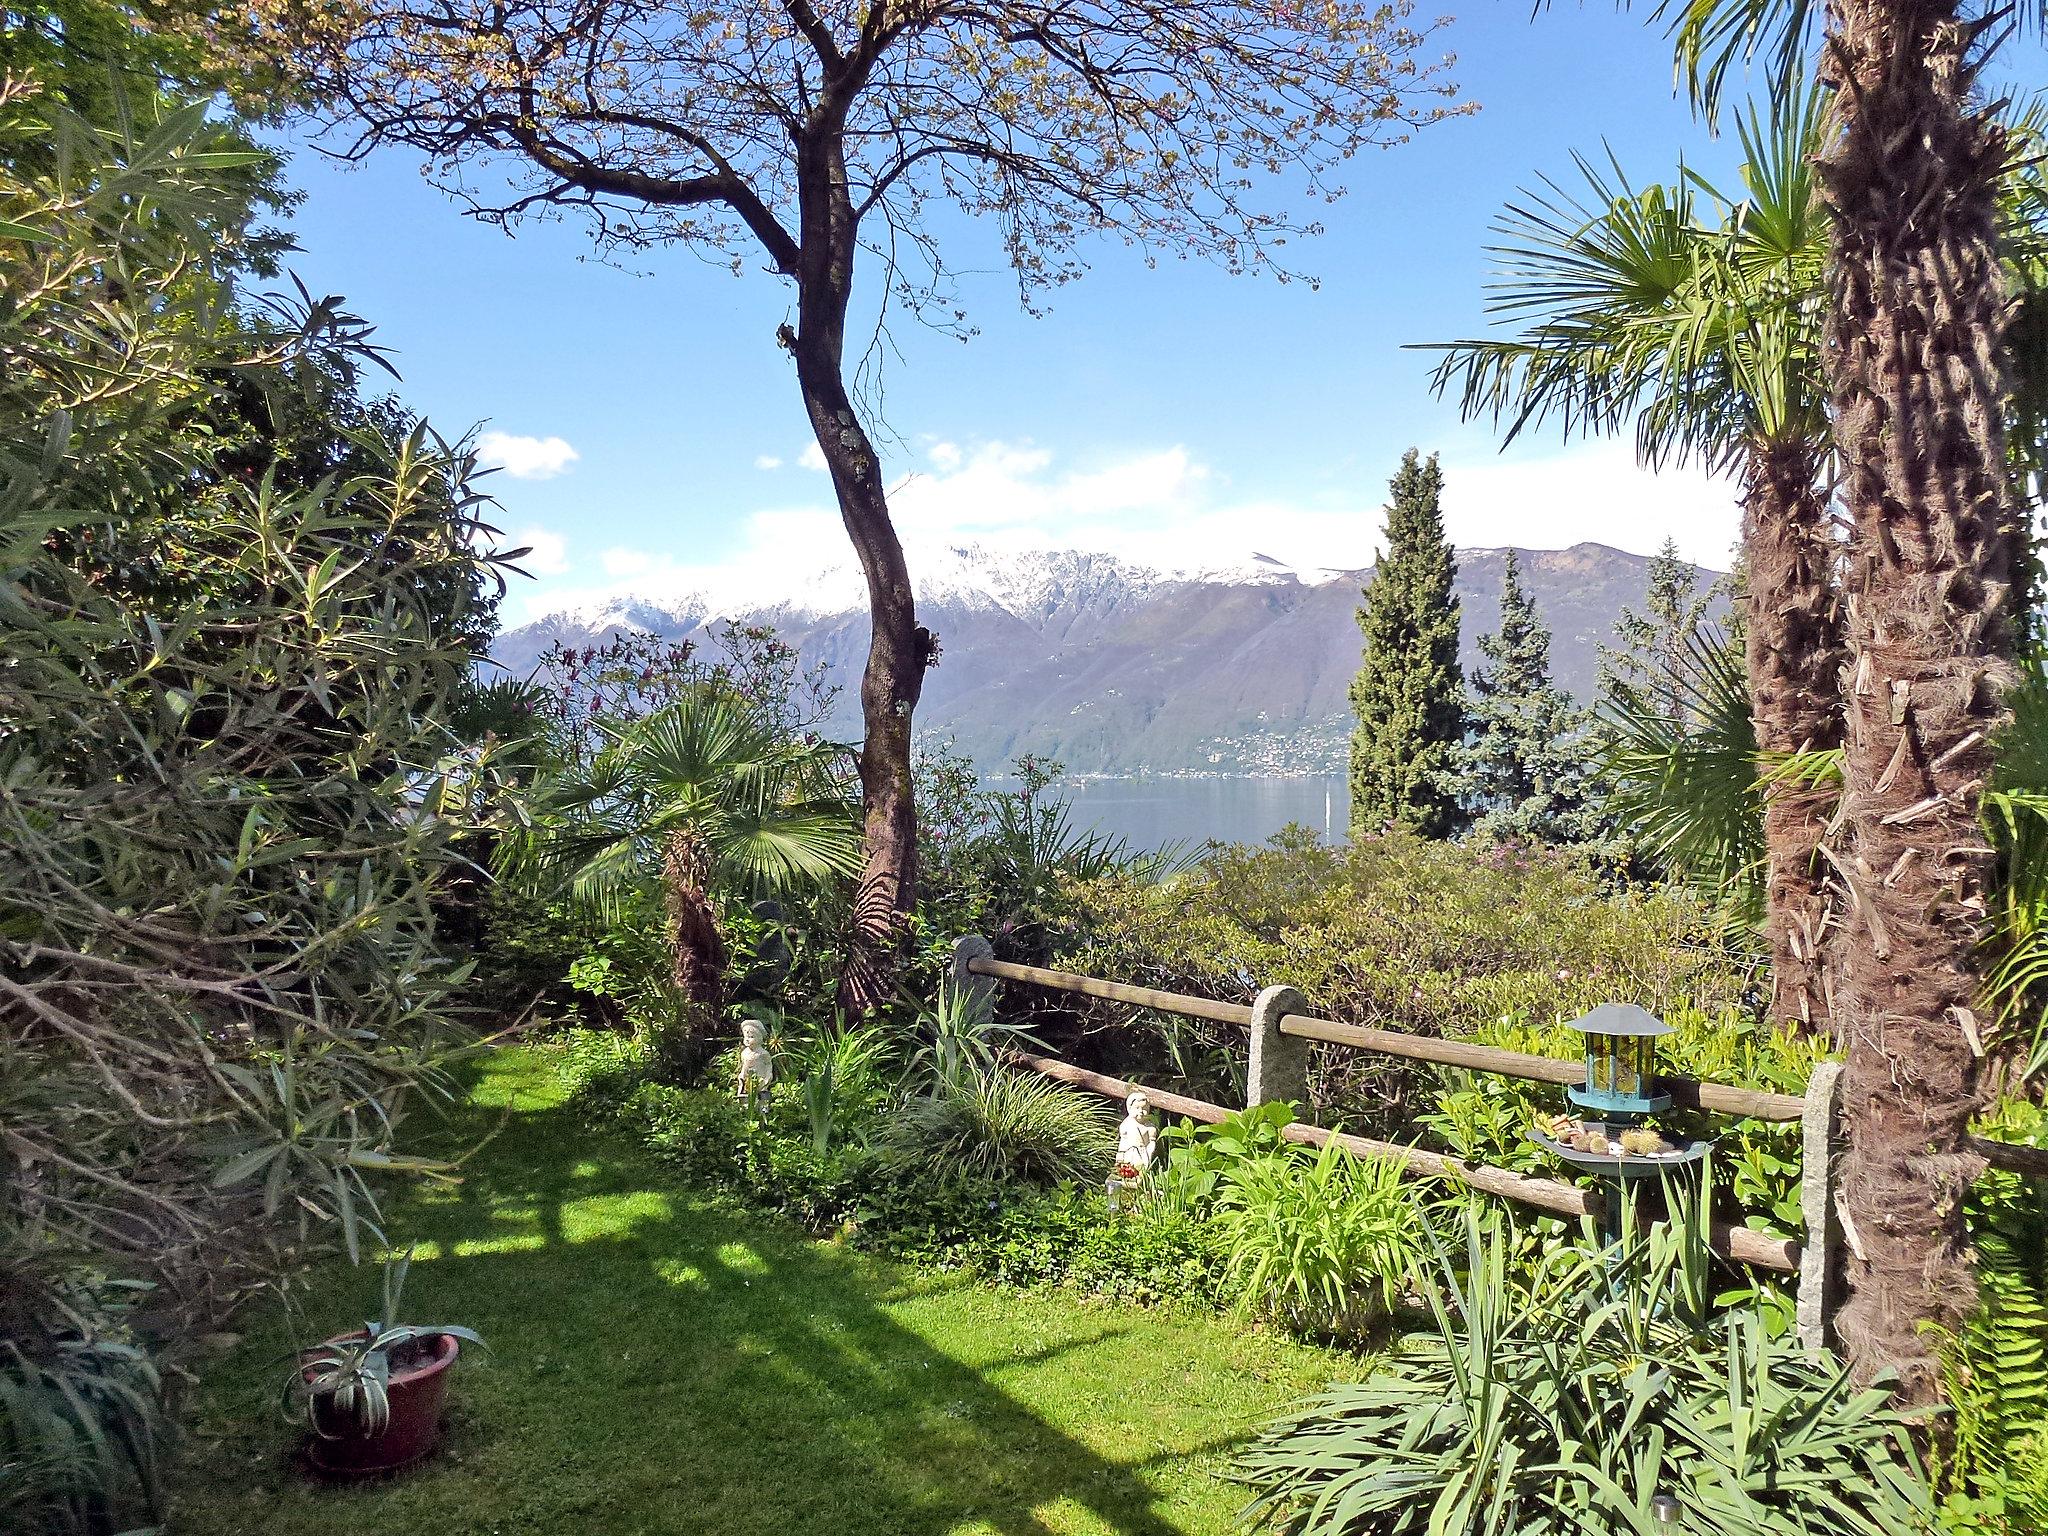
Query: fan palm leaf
(1689, 786)
(703, 792)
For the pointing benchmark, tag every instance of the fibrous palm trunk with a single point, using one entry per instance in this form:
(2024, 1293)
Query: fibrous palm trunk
(1916, 375)
(696, 946)
(1793, 640)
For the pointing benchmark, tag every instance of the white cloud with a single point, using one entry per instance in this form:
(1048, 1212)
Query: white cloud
(1166, 509)
(813, 457)
(767, 461)
(547, 552)
(1597, 494)
(525, 458)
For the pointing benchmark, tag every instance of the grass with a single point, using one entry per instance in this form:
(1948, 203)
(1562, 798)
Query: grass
(664, 1364)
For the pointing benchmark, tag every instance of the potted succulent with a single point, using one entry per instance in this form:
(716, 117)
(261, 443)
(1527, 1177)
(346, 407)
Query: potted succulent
(372, 1397)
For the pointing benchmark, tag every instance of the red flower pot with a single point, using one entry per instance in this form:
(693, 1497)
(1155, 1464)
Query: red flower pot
(418, 1389)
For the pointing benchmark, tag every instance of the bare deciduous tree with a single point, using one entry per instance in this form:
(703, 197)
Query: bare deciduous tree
(820, 133)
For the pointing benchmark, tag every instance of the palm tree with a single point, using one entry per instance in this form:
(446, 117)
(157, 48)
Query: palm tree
(1695, 316)
(1918, 378)
(698, 798)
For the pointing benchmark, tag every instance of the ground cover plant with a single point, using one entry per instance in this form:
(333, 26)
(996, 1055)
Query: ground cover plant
(668, 1362)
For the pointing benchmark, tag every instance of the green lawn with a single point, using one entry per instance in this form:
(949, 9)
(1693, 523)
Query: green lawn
(663, 1365)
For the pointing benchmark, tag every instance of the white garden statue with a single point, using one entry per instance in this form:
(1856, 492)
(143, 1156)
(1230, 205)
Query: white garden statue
(757, 1067)
(1137, 1139)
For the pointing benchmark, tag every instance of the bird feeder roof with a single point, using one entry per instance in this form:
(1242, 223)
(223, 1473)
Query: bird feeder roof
(1620, 1019)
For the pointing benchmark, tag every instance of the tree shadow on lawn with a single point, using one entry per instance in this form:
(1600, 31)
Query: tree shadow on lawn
(661, 1364)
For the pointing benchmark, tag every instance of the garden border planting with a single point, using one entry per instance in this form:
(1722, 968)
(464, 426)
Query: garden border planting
(1279, 1068)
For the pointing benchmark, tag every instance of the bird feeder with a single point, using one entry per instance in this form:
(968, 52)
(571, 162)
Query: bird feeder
(1621, 1052)
(1618, 1093)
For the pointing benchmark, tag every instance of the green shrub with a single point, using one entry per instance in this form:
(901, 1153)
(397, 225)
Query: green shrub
(601, 1068)
(1326, 1243)
(703, 1132)
(1003, 1124)
(1399, 933)
(1199, 1156)
(1567, 1396)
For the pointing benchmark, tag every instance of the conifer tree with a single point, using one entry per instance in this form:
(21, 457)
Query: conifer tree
(1408, 692)
(1643, 671)
(1526, 761)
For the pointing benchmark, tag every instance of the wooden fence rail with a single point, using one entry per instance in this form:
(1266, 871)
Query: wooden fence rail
(1688, 1093)
(1552, 1195)
(1281, 1031)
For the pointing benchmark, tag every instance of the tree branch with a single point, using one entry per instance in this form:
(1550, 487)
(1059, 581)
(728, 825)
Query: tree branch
(722, 186)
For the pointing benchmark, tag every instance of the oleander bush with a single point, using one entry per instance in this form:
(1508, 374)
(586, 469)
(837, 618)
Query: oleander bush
(241, 608)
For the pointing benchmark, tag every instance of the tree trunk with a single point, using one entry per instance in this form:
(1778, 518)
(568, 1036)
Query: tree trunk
(1793, 644)
(1916, 372)
(898, 650)
(696, 947)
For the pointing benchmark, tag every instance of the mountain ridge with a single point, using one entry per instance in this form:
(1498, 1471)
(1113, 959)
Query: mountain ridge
(1119, 668)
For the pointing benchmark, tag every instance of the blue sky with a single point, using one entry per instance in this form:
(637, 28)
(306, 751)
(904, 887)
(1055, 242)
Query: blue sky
(1176, 414)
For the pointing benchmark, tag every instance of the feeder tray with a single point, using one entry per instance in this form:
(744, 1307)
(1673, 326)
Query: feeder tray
(1626, 1165)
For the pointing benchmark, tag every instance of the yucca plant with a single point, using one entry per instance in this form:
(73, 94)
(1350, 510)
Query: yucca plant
(999, 1123)
(1566, 1389)
(961, 1035)
(1327, 1242)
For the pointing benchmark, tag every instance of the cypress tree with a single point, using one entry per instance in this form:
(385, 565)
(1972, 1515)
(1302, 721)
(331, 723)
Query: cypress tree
(1525, 763)
(1408, 692)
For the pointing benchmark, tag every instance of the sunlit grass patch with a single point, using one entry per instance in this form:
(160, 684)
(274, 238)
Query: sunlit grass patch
(660, 1364)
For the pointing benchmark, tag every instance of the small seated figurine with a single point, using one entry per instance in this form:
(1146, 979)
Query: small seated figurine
(757, 1067)
(1137, 1139)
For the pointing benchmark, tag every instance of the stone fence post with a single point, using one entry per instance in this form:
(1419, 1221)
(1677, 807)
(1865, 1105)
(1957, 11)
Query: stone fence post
(1279, 1068)
(968, 947)
(1820, 1258)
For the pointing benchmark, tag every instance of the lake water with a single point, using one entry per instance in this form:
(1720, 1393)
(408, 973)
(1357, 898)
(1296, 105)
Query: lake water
(1149, 813)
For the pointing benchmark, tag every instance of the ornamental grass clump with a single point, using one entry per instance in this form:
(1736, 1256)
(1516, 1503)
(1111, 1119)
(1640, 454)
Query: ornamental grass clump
(1002, 1124)
(1563, 1389)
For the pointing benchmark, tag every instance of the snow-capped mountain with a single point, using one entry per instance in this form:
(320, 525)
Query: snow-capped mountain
(1115, 667)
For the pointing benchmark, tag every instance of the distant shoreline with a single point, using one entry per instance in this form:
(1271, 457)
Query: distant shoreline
(1173, 776)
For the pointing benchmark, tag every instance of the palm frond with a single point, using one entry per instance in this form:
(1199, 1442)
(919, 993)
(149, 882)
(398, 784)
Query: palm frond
(1691, 313)
(1689, 787)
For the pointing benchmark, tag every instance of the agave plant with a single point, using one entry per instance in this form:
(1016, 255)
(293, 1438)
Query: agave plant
(342, 1385)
